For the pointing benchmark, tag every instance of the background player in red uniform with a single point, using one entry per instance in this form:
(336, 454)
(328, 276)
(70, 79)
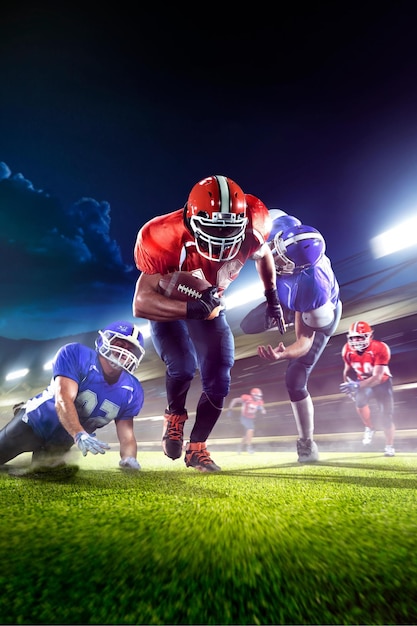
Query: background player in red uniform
(366, 374)
(217, 232)
(251, 403)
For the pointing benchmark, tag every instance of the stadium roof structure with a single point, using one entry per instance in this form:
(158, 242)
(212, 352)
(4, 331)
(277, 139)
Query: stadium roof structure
(377, 290)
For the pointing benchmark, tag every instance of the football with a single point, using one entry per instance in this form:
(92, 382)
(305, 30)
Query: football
(183, 285)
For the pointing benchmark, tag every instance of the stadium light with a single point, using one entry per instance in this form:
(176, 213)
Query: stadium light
(244, 296)
(17, 374)
(145, 330)
(398, 238)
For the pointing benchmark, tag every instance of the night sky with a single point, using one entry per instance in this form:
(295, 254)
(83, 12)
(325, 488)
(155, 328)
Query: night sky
(108, 117)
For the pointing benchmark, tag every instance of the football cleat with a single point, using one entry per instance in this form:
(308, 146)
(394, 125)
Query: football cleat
(389, 451)
(173, 435)
(367, 436)
(197, 456)
(307, 450)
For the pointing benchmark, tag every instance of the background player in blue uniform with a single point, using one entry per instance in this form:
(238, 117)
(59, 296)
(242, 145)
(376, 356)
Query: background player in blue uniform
(309, 295)
(89, 388)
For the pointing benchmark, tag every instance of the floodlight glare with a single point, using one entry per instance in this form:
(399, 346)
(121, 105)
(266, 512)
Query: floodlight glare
(244, 296)
(397, 238)
(145, 330)
(17, 374)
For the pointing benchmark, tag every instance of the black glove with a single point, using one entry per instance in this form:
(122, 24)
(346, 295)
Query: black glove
(16, 407)
(200, 309)
(273, 314)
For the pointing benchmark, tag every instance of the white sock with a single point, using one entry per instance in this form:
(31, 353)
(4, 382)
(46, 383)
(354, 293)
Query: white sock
(303, 411)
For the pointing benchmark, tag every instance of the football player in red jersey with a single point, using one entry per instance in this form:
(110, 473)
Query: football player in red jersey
(251, 403)
(366, 374)
(217, 231)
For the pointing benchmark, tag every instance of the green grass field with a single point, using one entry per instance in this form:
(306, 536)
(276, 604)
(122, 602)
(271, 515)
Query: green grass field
(266, 541)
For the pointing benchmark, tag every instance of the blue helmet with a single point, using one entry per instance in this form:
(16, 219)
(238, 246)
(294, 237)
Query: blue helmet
(281, 221)
(120, 357)
(298, 248)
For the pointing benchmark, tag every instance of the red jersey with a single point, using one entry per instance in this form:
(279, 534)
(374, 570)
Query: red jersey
(164, 245)
(377, 353)
(250, 406)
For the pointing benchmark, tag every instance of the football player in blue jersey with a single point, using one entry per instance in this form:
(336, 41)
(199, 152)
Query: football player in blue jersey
(89, 388)
(309, 295)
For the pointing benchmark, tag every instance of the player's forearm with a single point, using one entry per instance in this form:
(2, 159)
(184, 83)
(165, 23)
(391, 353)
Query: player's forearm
(372, 381)
(299, 348)
(151, 305)
(128, 449)
(266, 269)
(159, 309)
(68, 416)
(127, 440)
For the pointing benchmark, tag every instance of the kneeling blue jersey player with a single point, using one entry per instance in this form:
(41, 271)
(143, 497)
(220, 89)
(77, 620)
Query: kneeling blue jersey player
(89, 388)
(309, 294)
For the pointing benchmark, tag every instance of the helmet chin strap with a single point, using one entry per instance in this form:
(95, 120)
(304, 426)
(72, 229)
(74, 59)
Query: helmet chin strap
(186, 219)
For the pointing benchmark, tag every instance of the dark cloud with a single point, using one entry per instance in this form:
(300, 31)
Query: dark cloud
(116, 119)
(56, 257)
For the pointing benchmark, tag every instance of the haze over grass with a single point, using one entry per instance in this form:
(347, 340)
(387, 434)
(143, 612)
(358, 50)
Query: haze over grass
(266, 541)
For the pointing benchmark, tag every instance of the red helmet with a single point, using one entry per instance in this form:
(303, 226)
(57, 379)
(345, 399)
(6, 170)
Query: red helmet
(359, 336)
(216, 215)
(256, 393)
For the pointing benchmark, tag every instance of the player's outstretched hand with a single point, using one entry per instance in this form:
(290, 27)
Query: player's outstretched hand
(272, 354)
(89, 443)
(129, 463)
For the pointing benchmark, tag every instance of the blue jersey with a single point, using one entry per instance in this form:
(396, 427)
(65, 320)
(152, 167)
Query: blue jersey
(310, 288)
(98, 402)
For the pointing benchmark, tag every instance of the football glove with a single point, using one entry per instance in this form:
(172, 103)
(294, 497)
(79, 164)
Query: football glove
(129, 463)
(349, 388)
(200, 309)
(273, 313)
(89, 443)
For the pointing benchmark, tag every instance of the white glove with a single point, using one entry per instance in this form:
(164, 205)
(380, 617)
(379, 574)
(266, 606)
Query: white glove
(129, 463)
(349, 388)
(90, 443)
